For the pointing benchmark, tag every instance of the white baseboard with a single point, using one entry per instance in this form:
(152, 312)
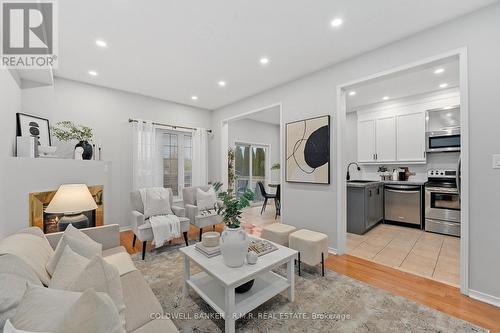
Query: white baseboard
(127, 228)
(493, 300)
(333, 251)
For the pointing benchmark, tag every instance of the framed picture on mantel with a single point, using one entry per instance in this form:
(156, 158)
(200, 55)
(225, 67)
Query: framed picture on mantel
(308, 151)
(28, 125)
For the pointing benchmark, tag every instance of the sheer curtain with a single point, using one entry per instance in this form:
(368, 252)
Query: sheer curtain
(146, 155)
(200, 157)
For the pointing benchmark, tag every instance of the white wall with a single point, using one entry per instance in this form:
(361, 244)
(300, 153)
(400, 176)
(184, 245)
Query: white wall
(314, 207)
(107, 111)
(10, 104)
(252, 131)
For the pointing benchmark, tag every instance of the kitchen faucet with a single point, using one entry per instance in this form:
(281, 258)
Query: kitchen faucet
(348, 175)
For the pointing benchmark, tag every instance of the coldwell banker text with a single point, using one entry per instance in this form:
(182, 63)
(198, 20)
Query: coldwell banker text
(28, 34)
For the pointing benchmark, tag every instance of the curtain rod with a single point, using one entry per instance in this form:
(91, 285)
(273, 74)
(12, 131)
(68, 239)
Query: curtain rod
(130, 120)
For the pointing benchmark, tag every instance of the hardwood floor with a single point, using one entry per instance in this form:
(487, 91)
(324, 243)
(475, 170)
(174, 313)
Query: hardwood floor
(428, 292)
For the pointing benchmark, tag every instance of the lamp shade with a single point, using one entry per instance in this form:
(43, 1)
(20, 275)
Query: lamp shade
(71, 198)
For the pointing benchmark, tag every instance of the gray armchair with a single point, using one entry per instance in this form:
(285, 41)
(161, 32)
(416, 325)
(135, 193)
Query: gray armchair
(142, 227)
(192, 211)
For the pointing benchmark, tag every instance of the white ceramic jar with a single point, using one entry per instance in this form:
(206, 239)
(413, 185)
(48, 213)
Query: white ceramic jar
(234, 246)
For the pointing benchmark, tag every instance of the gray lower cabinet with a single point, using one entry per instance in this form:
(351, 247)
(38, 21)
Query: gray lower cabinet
(365, 207)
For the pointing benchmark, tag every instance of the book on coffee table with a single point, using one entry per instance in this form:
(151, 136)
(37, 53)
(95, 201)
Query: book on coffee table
(208, 251)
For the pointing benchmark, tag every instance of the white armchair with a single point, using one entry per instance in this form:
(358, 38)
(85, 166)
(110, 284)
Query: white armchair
(142, 227)
(192, 212)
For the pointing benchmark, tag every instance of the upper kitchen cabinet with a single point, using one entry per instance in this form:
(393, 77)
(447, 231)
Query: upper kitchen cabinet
(411, 137)
(394, 132)
(385, 135)
(366, 141)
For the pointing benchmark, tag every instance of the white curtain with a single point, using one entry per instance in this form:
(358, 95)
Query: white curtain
(146, 155)
(200, 157)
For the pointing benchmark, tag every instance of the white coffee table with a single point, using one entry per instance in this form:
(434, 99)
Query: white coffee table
(217, 282)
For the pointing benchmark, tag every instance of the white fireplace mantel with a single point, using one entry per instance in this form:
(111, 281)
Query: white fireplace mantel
(20, 176)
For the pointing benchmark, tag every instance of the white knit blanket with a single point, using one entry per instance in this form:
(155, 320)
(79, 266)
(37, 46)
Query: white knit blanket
(164, 224)
(165, 228)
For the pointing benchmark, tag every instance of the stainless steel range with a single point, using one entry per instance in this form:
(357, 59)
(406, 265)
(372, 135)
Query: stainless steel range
(442, 202)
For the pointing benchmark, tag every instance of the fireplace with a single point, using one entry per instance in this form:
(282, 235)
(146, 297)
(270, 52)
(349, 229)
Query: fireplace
(39, 201)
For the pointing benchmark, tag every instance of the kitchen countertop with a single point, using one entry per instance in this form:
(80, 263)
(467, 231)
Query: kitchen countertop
(388, 182)
(405, 182)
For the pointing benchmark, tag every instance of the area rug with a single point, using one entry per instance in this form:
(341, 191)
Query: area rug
(334, 303)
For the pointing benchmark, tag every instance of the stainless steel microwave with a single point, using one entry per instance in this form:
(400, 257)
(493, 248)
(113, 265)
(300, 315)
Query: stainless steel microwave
(445, 140)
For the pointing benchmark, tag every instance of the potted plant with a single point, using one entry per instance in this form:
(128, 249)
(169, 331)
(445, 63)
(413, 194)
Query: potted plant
(234, 243)
(234, 240)
(67, 131)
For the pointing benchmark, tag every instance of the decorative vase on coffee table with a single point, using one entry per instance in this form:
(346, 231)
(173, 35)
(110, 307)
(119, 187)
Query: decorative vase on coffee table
(234, 246)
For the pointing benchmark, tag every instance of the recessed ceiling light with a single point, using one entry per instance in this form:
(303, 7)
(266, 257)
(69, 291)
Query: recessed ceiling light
(194, 98)
(385, 98)
(101, 43)
(443, 85)
(439, 71)
(222, 83)
(93, 73)
(448, 108)
(336, 22)
(352, 93)
(264, 61)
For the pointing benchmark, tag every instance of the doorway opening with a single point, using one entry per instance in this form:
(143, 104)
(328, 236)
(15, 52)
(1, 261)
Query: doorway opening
(253, 143)
(403, 168)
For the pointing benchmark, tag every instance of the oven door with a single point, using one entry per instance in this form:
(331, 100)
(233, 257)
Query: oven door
(442, 204)
(443, 141)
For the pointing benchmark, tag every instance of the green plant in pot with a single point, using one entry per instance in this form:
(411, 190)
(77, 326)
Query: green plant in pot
(234, 240)
(67, 131)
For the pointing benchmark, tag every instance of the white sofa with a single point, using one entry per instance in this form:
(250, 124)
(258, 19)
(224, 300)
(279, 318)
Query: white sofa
(141, 304)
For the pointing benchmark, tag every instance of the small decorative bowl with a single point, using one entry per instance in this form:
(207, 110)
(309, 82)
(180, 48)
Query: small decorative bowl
(210, 239)
(47, 150)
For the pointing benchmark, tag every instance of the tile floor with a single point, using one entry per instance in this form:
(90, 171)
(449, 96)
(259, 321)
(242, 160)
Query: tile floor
(415, 251)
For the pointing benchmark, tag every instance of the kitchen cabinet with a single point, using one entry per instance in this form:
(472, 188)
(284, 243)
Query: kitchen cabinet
(392, 138)
(366, 141)
(365, 206)
(385, 137)
(411, 137)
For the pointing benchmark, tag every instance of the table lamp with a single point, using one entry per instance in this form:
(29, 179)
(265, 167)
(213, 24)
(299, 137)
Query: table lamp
(71, 200)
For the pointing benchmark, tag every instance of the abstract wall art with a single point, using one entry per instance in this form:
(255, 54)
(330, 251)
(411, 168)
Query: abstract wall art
(308, 151)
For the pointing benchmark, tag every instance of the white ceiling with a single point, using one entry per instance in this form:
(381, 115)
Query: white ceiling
(173, 49)
(409, 83)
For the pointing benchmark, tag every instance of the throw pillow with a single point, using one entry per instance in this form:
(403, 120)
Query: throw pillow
(43, 309)
(8, 328)
(156, 201)
(92, 312)
(85, 247)
(205, 200)
(68, 268)
(14, 274)
(57, 311)
(103, 277)
(32, 247)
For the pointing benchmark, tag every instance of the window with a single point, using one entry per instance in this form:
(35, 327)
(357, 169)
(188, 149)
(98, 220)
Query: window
(177, 161)
(250, 167)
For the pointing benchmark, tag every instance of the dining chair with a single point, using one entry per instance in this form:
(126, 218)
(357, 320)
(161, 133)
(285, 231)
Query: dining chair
(266, 196)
